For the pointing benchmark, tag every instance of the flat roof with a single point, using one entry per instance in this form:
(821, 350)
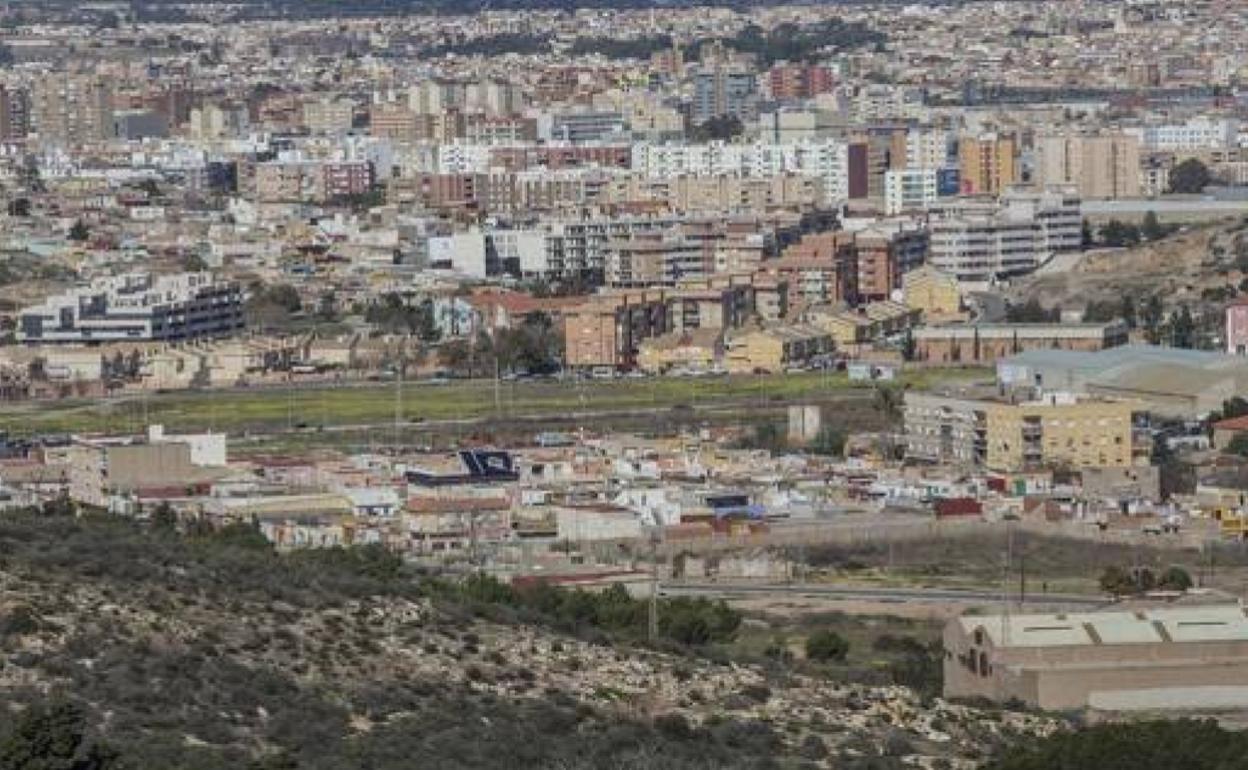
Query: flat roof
(1169, 625)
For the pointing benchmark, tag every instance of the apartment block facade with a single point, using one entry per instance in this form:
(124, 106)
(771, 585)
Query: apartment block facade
(1057, 430)
(136, 307)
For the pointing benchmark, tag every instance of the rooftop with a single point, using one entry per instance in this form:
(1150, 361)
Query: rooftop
(1157, 626)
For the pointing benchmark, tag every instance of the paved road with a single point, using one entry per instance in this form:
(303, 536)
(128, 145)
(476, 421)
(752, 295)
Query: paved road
(904, 595)
(989, 306)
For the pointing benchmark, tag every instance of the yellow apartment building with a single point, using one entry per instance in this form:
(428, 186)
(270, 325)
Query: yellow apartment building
(1059, 430)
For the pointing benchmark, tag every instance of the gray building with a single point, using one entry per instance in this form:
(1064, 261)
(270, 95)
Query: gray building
(1169, 382)
(140, 124)
(718, 91)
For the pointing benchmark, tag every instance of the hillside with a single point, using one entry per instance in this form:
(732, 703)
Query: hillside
(214, 652)
(1189, 267)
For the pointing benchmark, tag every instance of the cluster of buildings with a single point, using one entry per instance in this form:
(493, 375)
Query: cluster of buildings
(678, 192)
(685, 190)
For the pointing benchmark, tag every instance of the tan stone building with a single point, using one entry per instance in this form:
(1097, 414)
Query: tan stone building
(1169, 658)
(695, 350)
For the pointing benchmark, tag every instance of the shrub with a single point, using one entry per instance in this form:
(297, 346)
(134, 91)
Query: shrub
(826, 645)
(20, 620)
(1175, 579)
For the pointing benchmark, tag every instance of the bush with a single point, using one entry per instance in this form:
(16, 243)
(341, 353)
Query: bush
(824, 646)
(1116, 581)
(829, 442)
(1156, 745)
(19, 621)
(1175, 579)
(50, 736)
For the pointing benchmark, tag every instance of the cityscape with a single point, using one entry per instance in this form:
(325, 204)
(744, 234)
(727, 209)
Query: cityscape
(651, 385)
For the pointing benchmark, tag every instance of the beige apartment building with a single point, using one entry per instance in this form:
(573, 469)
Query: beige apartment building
(995, 433)
(71, 109)
(329, 115)
(1059, 430)
(1100, 165)
(607, 330)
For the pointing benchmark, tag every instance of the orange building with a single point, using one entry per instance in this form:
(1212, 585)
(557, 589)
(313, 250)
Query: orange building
(987, 163)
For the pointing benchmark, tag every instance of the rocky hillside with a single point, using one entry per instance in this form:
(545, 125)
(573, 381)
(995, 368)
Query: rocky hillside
(1201, 263)
(214, 652)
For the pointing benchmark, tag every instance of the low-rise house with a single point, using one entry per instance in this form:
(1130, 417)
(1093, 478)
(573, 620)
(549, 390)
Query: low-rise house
(775, 348)
(1225, 431)
(935, 294)
(693, 350)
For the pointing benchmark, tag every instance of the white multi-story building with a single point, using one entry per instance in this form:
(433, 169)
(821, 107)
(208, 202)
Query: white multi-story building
(909, 189)
(136, 307)
(927, 148)
(981, 244)
(1199, 133)
(462, 159)
(827, 160)
(464, 253)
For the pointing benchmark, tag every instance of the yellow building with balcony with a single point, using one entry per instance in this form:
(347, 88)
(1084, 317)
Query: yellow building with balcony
(1059, 430)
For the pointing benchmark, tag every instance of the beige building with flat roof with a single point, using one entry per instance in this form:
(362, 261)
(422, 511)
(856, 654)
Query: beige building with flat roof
(1059, 430)
(1167, 658)
(1099, 165)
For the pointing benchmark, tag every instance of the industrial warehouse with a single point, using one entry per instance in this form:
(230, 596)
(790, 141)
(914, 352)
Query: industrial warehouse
(1172, 658)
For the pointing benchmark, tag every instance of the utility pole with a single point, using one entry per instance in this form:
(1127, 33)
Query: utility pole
(497, 402)
(398, 398)
(654, 586)
(1022, 578)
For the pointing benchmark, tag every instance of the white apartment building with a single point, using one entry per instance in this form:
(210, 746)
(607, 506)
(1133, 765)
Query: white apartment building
(826, 160)
(1198, 133)
(981, 244)
(461, 159)
(927, 148)
(136, 307)
(909, 189)
(463, 253)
